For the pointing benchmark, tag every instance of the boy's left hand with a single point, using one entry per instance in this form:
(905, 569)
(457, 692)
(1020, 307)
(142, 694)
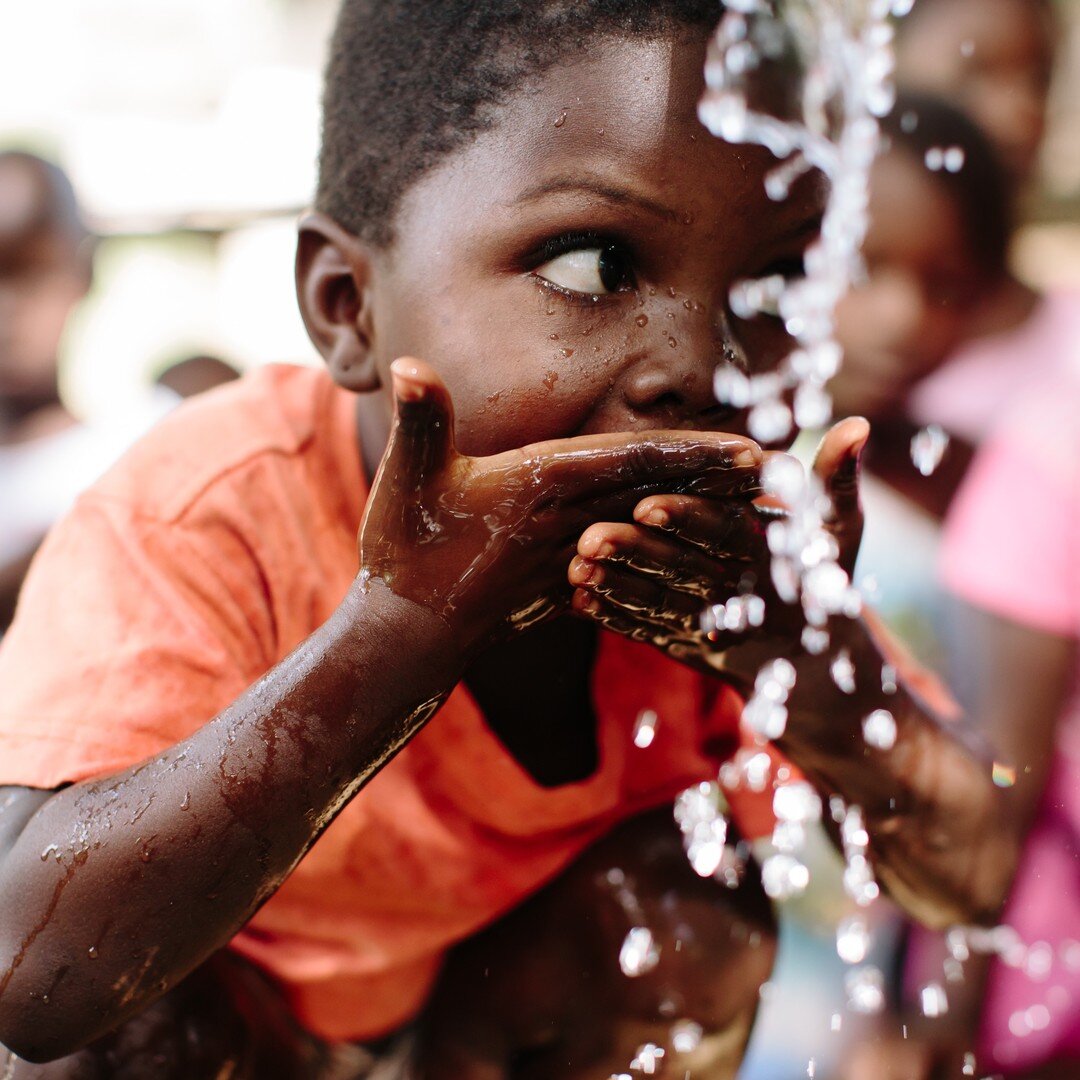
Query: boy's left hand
(653, 580)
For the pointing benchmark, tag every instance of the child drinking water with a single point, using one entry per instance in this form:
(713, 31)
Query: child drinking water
(230, 745)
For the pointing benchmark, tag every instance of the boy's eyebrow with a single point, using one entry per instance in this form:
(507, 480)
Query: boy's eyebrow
(598, 187)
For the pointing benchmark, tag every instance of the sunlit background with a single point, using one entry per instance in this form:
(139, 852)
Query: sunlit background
(190, 128)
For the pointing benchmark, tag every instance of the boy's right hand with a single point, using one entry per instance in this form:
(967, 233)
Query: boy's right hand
(485, 542)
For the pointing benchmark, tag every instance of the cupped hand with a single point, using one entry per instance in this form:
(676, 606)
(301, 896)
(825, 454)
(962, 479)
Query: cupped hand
(484, 542)
(685, 554)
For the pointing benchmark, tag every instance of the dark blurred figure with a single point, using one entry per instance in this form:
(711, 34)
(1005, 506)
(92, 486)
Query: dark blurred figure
(46, 268)
(936, 253)
(995, 60)
(197, 374)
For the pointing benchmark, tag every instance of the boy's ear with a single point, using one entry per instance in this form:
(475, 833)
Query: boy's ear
(333, 285)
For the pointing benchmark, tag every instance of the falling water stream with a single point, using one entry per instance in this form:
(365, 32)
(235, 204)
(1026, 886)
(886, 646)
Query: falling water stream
(835, 58)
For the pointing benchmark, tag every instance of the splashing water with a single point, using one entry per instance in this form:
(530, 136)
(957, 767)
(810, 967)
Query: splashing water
(928, 448)
(841, 53)
(639, 953)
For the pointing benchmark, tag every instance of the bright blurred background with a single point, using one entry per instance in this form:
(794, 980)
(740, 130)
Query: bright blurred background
(190, 129)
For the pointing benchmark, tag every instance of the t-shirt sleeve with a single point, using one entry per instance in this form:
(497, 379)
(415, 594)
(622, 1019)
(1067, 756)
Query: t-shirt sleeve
(131, 633)
(1012, 542)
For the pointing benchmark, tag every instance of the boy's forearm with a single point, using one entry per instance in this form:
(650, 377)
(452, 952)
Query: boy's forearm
(118, 888)
(940, 832)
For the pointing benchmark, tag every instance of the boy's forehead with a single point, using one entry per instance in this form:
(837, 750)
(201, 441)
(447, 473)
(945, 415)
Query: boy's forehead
(624, 118)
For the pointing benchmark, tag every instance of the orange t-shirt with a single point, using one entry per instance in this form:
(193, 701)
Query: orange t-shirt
(219, 544)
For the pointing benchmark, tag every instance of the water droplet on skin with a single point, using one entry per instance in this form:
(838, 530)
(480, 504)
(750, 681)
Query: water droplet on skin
(688, 304)
(562, 120)
(639, 953)
(554, 337)
(550, 380)
(567, 353)
(642, 320)
(186, 804)
(493, 398)
(92, 952)
(53, 850)
(672, 343)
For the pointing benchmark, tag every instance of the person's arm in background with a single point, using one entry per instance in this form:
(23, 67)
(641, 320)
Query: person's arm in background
(1011, 559)
(1015, 680)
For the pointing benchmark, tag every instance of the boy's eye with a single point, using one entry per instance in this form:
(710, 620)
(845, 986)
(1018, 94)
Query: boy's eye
(593, 271)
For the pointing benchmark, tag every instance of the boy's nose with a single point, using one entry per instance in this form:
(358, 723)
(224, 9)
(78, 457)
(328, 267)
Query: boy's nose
(670, 391)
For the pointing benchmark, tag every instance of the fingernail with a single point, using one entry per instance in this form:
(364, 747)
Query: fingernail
(748, 457)
(594, 547)
(658, 518)
(585, 572)
(406, 380)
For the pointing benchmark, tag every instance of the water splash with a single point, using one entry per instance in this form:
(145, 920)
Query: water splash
(928, 448)
(838, 54)
(639, 953)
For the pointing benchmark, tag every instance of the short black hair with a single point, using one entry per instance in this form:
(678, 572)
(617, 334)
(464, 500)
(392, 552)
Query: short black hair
(925, 127)
(409, 81)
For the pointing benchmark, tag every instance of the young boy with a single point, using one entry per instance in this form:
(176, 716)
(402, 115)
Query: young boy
(199, 682)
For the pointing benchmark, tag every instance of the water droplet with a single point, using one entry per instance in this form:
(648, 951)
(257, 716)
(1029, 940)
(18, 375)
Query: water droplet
(53, 850)
(1004, 776)
(784, 877)
(186, 804)
(852, 939)
(797, 802)
(562, 120)
(932, 1000)
(642, 320)
(686, 1036)
(688, 304)
(647, 1059)
(672, 343)
(645, 729)
(865, 988)
(639, 953)
(92, 952)
(567, 353)
(550, 380)
(842, 670)
(879, 729)
(771, 422)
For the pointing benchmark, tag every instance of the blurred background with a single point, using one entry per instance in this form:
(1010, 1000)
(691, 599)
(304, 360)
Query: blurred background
(190, 128)
(190, 131)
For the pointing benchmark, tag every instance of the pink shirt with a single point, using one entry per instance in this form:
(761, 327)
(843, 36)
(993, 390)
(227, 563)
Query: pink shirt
(1012, 547)
(970, 394)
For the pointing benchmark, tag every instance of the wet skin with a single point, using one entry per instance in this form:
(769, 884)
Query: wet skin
(474, 522)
